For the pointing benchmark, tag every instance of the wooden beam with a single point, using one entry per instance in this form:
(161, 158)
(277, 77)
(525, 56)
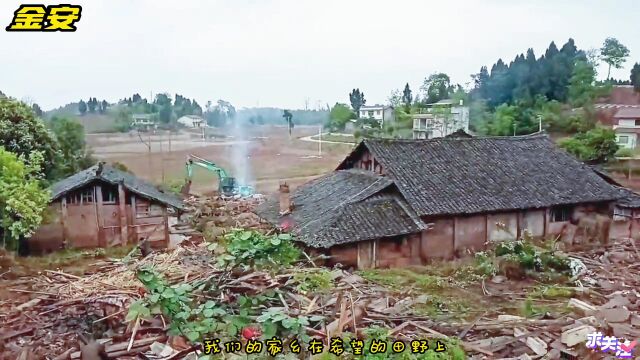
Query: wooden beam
(134, 216)
(63, 218)
(122, 210)
(102, 240)
(165, 218)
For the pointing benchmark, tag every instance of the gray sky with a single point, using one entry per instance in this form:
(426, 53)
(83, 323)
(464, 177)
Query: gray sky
(278, 53)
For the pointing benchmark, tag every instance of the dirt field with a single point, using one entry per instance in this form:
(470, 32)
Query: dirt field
(272, 156)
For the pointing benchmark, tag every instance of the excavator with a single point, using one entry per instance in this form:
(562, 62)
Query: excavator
(227, 185)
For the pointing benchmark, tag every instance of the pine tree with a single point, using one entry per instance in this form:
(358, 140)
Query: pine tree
(357, 100)
(82, 107)
(635, 76)
(407, 98)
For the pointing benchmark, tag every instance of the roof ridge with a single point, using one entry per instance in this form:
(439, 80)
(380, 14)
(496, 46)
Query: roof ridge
(533, 136)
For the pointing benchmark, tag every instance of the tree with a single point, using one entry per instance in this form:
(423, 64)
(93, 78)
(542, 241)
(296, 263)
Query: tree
(221, 114)
(339, 115)
(92, 105)
(581, 84)
(595, 146)
(436, 87)
(357, 100)
(73, 154)
(614, 54)
(407, 97)
(395, 99)
(104, 106)
(288, 117)
(37, 110)
(23, 199)
(136, 98)
(22, 133)
(635, 76)
(82, 107)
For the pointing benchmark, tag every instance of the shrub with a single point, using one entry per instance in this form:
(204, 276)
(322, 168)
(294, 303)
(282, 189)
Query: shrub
(253, 249)
(624, 152)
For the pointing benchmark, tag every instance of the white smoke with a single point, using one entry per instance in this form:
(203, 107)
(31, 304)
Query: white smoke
(240, 153)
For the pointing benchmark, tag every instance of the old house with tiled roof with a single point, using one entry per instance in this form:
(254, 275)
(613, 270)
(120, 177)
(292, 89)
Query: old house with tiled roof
(402, 202)
(103, 207)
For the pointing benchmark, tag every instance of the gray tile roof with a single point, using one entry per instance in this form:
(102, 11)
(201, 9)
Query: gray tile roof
(114, 176)
(485, 174)
(628, 199)
(345, 206)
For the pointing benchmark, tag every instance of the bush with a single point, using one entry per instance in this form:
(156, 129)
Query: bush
(624, 152)
(253, 249)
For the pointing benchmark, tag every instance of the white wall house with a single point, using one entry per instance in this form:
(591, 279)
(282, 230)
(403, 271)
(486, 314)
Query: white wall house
(191, 121)
(381, 113)
(440, 119)
(142, 121)
(627, 127)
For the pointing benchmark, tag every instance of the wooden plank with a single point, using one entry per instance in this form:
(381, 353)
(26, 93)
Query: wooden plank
(124, 231)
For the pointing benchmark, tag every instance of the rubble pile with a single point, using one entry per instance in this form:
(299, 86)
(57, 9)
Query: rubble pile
(216, 214)
(607, 303)
(61, 307)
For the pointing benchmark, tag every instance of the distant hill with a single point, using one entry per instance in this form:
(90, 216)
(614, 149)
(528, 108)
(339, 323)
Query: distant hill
(92, 122)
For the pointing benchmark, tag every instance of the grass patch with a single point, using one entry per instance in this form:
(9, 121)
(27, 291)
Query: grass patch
(313, 281)
(72, 260)
(551, 292)
(347, 138)
(398, 279)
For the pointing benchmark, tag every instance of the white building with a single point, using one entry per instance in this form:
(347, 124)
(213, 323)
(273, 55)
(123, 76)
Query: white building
(191, 121)
(626, 123)
(381, 113)
(143, 121)
(440, 119)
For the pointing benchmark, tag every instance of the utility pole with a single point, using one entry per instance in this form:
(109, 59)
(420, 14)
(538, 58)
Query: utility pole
(320, 141)
(539, 123)
(514, 129)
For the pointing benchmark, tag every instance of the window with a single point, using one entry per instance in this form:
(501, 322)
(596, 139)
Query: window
(377, 112)
(370, 113)
(81, 197)
(109, 196)
(637, 122)
(74, 199)
(561, 213)
(620, 214)
(623, 139)
(87, 196)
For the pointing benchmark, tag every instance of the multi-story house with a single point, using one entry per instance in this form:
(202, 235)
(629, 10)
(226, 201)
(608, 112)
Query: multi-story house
(382, 113)
(440, 119)
(626, 123)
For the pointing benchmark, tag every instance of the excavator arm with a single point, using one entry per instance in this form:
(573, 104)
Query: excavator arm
(227, 184)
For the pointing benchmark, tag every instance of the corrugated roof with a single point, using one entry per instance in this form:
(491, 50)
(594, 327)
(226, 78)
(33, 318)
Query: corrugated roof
(342, 207)
(114, 176)
(448, 176)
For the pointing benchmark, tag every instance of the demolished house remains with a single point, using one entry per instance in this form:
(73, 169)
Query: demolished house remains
(394, 203)
(103, 207)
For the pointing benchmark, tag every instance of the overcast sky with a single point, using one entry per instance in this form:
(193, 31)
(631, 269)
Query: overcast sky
(279, 53)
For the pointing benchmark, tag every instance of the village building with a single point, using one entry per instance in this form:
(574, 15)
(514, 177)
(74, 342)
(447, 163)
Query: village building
(104, 207)
(191, 121)
(381, 113)
(394, 203)
(626, 123)
(440, 119)
(621, 96)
